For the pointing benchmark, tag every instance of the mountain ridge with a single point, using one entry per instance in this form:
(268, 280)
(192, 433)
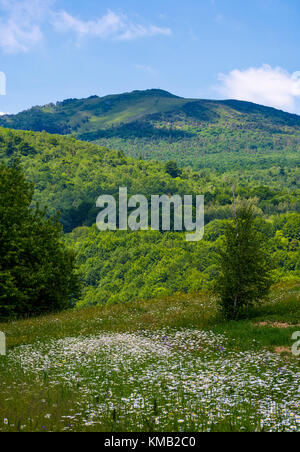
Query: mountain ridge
(151, 92)
(156, 124)
(234, 103)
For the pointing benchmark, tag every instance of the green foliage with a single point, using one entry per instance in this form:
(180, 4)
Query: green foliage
(124, 266)
(36, 271)
(291, 229)
(69, 175)
(154, 124)
(172, 169)
(245, 268)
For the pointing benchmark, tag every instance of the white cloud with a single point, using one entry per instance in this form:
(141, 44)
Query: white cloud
(26, 8)
(102, 27)
(111, 25)
(273, 87)
(17, 37)
(20, 23)
(147, 69)
(139, 31)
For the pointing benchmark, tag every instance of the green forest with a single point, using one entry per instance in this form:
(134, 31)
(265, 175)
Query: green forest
(69, 175)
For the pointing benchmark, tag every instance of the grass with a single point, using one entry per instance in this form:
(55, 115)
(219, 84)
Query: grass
(196, 311)
(282, 308)
(166, 365)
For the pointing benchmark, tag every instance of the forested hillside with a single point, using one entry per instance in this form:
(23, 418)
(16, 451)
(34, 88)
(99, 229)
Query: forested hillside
(69, 176)
(154, 124)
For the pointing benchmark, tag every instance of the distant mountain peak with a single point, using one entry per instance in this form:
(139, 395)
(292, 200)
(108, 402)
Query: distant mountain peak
(152, 122)
(155, 92)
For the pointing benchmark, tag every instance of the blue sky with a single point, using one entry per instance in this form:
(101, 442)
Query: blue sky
(56, 49)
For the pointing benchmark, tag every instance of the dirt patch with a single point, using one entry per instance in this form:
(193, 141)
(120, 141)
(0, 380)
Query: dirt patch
(280, 350)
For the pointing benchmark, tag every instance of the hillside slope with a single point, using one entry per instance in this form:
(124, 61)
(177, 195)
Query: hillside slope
(155, 124)
(69, 175)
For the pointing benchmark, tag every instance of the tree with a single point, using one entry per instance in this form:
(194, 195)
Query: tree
(37, 272)
(244, 265)
(291, 229)
(172, 169)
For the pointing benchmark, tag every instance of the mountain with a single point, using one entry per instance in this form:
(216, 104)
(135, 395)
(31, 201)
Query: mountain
(155, 124)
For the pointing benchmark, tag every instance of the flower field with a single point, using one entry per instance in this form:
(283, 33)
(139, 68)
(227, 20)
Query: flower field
(152, 379)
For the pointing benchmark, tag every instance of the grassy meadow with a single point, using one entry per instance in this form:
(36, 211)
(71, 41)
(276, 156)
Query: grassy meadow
(168, 365)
